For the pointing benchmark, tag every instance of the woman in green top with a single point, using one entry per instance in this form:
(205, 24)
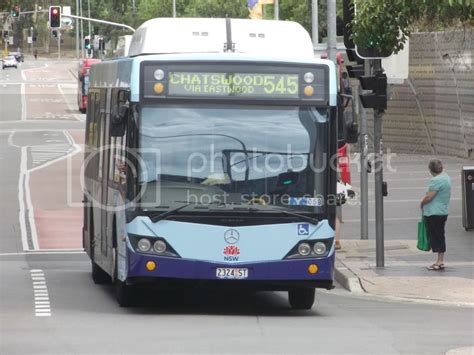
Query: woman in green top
(435, 205)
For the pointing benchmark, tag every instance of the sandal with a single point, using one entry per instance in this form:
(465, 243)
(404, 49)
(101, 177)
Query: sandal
(436, 267)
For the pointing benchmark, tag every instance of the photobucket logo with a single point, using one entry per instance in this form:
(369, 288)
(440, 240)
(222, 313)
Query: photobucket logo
(111, 167)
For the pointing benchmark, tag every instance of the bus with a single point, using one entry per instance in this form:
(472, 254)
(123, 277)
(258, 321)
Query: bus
(83, 82)
(209, 160)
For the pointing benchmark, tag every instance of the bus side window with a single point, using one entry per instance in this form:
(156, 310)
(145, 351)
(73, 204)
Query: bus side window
(117, 171)
(92, 134)
(102, 134)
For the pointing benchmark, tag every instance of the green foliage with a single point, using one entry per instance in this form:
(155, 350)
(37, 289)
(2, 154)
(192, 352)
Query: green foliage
(216, 8)
(386, 25)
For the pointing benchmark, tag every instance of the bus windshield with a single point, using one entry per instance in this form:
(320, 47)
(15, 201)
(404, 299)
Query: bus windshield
(229, 154)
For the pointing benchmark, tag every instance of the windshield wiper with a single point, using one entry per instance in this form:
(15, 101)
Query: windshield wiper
(166, 214)
(306, 218)
(312, 220)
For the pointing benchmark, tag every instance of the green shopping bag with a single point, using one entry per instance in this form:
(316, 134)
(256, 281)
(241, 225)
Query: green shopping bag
(423, 242)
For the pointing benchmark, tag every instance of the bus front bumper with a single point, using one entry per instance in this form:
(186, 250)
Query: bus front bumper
(280, 274)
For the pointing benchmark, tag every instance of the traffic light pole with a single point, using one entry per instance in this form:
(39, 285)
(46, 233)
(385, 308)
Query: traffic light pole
(59, 44)
(378, 168)
(364, 178)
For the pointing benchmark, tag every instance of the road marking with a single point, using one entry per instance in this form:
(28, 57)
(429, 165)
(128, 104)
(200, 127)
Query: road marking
(23, 103)
(23, 76)
(41, 296)
(21, 201)
(45, 252)
(69, 105)
(10, 140)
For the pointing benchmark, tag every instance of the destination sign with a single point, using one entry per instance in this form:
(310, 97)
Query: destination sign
(282, 84)
(263, 85)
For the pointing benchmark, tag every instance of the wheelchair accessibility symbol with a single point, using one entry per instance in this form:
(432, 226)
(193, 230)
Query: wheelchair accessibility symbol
(303, 229)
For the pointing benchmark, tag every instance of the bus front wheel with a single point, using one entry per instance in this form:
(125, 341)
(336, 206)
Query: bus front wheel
(99, 276)
(301, 298)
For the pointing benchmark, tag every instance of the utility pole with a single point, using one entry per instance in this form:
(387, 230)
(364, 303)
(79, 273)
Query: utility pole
(332, 33)
(378, 166)
(31, 36)
(76, 27)
(377, 100)
(59, 43)
(82, 28)
(364, 165)
(315, 22)
(89, 15)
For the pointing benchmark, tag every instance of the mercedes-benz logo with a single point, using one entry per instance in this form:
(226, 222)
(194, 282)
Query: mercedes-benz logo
(231, 236)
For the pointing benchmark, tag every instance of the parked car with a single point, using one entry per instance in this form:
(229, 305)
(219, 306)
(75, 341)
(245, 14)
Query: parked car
(9, 61)
(18, 56)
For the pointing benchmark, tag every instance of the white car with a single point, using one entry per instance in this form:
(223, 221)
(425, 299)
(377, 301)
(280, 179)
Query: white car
(9, 61)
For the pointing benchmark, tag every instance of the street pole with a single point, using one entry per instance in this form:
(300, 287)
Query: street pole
(82, 29)
(59, 43)
(90, 30)
(31, 36)
(277, 9)
(174, 8)
(378, 166)
(76, 27)
(315, 22)
(332, 35)
(364, 175)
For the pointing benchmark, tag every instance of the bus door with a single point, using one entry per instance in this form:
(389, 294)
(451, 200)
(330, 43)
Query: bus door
(104, 167)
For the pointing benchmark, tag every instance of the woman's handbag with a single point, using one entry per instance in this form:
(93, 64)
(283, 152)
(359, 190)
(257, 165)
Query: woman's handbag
(423, 242)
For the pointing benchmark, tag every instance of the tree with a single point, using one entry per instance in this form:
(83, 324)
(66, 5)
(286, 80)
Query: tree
(386, 25)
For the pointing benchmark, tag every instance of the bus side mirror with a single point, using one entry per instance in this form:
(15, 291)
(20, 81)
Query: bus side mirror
(119, 121)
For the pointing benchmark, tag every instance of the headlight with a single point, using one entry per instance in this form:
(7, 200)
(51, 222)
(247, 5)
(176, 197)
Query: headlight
(159, 246)
(319, 248)
(144, 245)
(304, 249)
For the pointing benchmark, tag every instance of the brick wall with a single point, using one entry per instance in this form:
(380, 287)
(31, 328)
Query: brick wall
(433, 112)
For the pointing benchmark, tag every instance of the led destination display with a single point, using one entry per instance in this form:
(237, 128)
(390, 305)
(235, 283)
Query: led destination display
(281, 84)
(235, 84)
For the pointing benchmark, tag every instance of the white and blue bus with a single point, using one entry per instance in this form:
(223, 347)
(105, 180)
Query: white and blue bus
(208, 160)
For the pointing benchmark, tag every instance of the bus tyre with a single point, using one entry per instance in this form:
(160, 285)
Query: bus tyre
(301, 298)
(99, 276)
(123, 292)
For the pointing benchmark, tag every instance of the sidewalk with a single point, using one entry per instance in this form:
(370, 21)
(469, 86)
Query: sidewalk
(404, 274)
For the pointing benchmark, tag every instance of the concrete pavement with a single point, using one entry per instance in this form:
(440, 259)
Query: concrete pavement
(405, 275)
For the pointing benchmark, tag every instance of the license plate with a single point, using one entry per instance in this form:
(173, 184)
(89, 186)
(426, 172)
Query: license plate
(231, 273)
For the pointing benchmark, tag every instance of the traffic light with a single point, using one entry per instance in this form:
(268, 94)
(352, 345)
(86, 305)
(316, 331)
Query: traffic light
(87, 43)
(54, 33)
(16, 11)
(377, 99)
(55, 17)
(5, 34)
(347, 18)
(101, 44)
